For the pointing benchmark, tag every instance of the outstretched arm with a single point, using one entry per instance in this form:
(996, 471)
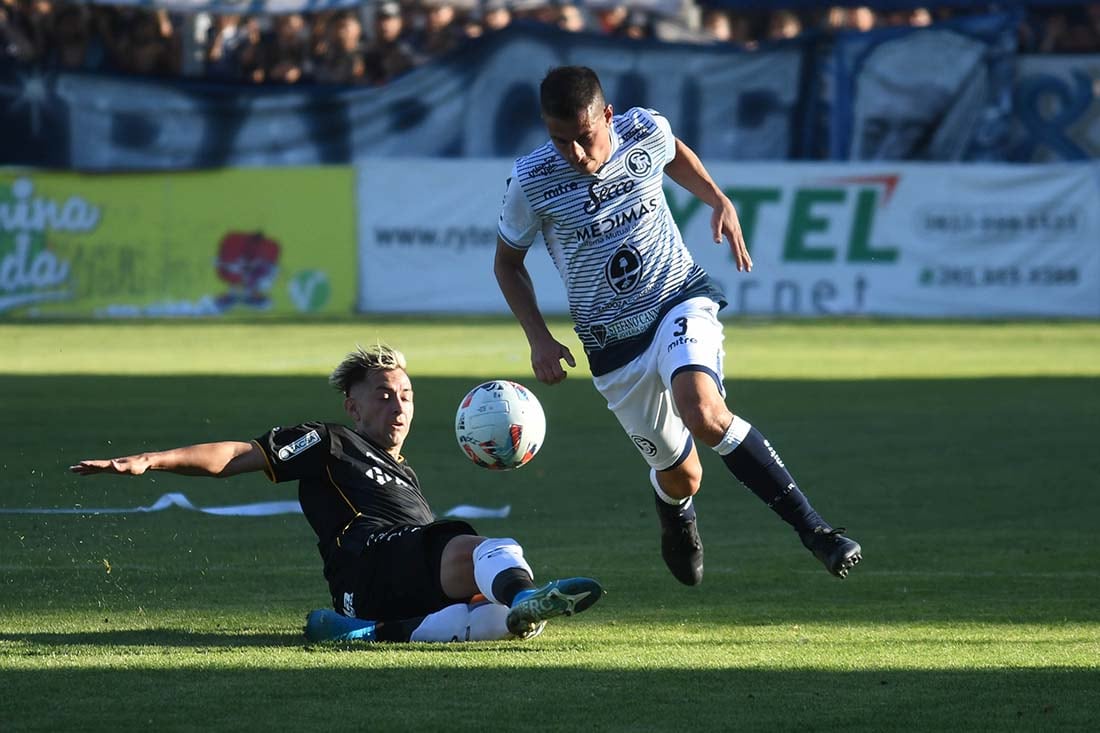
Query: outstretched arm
(515, 283)
(221, 460)
(688, 171)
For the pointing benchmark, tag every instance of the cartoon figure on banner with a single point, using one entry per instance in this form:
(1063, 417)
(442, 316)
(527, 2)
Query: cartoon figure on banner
(248, 262)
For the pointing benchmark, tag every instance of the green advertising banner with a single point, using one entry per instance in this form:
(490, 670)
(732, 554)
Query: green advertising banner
(234, 243)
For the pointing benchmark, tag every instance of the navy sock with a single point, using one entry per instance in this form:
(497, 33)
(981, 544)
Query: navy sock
(758, 466)
(675, 512)
(509, 582)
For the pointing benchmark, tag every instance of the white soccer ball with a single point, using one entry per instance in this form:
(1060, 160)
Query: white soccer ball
(500, 425)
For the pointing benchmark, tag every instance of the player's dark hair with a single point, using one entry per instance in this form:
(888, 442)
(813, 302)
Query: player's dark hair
(566, 91)
(359, 364)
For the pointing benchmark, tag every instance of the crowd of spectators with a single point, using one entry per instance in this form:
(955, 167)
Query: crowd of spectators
(381, 39)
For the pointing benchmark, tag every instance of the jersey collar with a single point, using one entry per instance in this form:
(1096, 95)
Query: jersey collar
(615, 143)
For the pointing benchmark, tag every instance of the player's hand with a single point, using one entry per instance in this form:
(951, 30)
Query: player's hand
(546, 358)
(127, 466)
(724, 223)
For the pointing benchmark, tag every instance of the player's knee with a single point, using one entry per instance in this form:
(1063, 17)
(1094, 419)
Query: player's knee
(706, 423)
(682, 481)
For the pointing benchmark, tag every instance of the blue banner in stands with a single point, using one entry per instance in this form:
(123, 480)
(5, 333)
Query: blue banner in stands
(242, 7)
(969, 6)
(943, 92)
(277, 7)
(1057, 109)
(480, 102)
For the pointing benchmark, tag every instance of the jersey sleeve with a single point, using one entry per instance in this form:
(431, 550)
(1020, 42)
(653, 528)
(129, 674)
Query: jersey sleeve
(518, 222)
(295, 452)
(665, 130)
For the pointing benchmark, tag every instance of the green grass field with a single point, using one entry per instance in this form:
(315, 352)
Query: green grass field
(964, 457)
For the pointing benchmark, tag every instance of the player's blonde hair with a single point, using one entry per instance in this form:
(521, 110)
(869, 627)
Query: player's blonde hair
(359, 364)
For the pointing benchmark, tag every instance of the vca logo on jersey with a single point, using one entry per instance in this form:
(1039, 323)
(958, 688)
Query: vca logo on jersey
(309, 439)
(623, 269)
(638, 163)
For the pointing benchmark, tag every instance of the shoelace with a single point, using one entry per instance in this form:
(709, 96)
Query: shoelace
(686, 532)
(822, 533)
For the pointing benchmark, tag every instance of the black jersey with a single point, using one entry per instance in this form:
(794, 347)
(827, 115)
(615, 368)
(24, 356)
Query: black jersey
(345, 482)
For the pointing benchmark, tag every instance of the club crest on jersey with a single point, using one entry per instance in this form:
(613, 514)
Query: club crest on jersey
(638, 163)
(309, 439)
(645, 445)
(623, 269)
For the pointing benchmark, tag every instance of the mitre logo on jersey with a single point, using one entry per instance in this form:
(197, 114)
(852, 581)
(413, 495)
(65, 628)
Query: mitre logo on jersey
(624, 269)
(599, 195)
(638, 163)
(558, 190)
(309, 439)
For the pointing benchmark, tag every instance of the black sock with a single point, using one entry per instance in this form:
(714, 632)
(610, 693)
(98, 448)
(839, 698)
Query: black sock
(397, 631)
(757, 465)
(510, 582)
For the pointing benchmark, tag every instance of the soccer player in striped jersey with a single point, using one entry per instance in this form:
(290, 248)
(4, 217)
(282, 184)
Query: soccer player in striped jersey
(646, 314)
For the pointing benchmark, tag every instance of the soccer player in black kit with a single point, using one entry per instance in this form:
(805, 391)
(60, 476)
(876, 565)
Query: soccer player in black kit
(394, 571)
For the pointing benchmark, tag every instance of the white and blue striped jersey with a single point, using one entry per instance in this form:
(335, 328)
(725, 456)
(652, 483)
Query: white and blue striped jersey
(611, 236)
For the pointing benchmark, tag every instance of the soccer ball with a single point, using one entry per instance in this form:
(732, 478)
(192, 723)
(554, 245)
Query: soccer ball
(500, 425)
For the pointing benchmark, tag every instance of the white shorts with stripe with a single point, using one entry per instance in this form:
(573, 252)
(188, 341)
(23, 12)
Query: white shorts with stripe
(689, 337)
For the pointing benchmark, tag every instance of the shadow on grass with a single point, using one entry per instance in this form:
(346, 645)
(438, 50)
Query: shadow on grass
(507, 695)
(156, 637)
(50, 643)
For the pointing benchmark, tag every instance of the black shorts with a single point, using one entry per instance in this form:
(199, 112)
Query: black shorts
(396, 573)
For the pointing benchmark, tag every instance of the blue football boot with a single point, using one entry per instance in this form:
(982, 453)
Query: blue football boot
(531, 608)
(325, 624)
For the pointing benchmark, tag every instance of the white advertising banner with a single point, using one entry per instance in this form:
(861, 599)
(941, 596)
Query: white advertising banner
(427, 234)
(910, 240)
